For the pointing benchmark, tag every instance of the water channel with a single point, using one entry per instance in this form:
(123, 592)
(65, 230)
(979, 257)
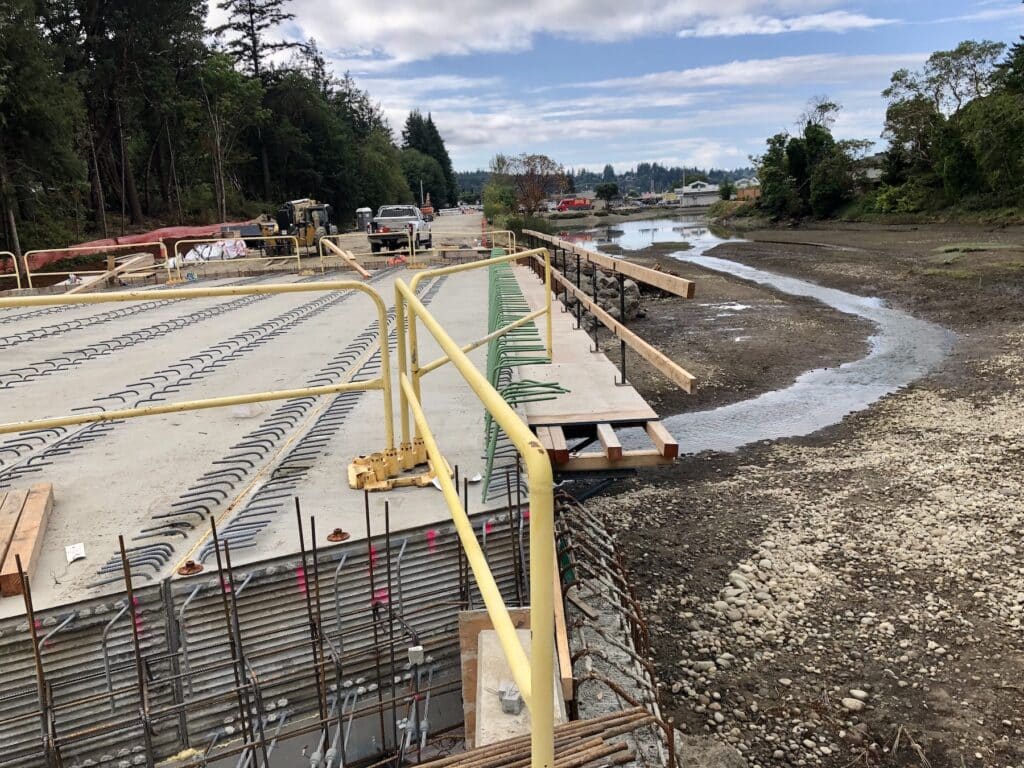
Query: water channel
(902, 349)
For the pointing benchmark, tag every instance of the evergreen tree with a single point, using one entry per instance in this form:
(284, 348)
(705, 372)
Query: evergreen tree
(248, 24)
(420, 133)
(39, 113)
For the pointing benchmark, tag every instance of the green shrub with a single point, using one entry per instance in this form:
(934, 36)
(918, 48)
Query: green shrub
(518, 223)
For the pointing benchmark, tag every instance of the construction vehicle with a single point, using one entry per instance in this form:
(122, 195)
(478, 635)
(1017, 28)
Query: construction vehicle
(306, 220)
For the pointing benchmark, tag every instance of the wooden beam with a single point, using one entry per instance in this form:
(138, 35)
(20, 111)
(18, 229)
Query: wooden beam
(612, 446)
(667, 445)
(95, 280)
(564, 658)
(595, 461)
(663, 281)
(668, 367)
(553, 440)
(10, 513)
(561, 448)
(348, 257)
(28, 538)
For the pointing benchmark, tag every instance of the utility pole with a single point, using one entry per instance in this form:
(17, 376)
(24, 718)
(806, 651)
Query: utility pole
(421, 193)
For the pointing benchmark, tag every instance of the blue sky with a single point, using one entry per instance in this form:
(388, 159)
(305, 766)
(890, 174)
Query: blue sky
(700, 82)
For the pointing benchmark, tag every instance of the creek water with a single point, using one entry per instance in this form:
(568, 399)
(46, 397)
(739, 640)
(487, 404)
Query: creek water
(902, 349)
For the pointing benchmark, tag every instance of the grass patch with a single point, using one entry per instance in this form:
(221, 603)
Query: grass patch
(960, 273)
(975, 247)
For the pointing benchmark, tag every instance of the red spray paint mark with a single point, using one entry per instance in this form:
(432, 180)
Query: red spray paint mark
(381, 597)
(489, 527)
(138, 615)
(300, 578)
(526, 514)
(431, 540)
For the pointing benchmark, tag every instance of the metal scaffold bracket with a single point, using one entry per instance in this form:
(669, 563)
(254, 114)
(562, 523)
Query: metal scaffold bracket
(385, 470)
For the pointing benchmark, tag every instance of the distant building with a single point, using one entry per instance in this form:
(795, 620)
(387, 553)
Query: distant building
(747, 189)
(698, 194)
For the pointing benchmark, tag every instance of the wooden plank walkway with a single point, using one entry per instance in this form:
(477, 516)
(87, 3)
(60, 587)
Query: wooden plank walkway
(596, 403)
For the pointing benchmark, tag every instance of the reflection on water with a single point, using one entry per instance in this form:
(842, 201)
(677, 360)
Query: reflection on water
(902, 349)
(636, 235)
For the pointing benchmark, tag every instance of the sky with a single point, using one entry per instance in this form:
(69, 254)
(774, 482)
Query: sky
(588, 82)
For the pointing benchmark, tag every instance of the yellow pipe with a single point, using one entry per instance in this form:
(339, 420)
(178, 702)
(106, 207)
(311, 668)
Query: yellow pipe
(542, 535)
(413, 346)
(547, 303)
(188, 405)
(243, 290)
(435, 364)
(91, 248)
(489, 591)
(400, 352)
(14, 261)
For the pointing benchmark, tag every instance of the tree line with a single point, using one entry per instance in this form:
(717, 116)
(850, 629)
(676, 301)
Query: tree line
(955, 139)
(116, 114)
(644, 177)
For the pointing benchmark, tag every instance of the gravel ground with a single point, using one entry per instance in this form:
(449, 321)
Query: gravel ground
(857, 597)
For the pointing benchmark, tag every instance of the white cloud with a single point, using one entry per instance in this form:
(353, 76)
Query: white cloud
(782, 71)
(833, 21)
(370, 37)
(1003, 11)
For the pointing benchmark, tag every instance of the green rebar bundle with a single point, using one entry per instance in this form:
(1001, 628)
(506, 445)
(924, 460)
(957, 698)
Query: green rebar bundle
(520, 346)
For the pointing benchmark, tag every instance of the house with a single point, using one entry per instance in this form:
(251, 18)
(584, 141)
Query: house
(747, 189)
(698, 194)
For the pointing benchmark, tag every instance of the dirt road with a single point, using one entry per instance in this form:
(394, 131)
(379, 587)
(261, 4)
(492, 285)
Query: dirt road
(856, 597)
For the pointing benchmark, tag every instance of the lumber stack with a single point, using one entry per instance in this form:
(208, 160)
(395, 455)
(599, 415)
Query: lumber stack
(577, 743)
(23, 518)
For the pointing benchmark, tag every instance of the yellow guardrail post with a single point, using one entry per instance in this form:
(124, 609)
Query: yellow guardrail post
(540, 697)
(413, 349)
(197, 240)
(383, 382)
(90, 248)
(14, 261)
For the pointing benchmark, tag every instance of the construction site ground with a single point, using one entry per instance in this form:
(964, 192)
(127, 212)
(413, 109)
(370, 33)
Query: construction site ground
(855, 597)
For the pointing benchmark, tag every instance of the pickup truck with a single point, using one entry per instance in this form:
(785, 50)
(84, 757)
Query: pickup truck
(391, 226)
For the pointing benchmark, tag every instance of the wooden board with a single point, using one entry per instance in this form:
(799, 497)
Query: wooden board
(471, 624)
(665, 365)
(28, 538)
(663, 281)
(562, 654)
(610, 442)
(666, 444)
(10, 513)
(95, 280)
(596, 461)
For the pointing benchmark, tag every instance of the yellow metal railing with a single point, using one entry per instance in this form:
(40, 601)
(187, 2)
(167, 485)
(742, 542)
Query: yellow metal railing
(96, 249)
(499, 238)
(416, 371)
(533, 674)
(14, 261)
(198, 240)
(382, 382)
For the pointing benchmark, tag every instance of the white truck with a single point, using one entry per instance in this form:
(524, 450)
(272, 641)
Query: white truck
(390, 229)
